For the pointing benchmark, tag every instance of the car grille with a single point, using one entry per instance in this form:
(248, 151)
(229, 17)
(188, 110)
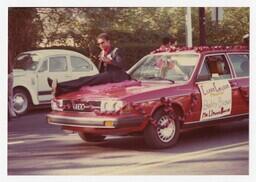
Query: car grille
(81, 106)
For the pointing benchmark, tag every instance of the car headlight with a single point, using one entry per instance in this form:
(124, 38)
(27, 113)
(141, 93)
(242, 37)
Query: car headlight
(57, 105)
(111, 106)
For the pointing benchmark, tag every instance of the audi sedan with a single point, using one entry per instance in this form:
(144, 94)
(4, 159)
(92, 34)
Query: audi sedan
(169, 91)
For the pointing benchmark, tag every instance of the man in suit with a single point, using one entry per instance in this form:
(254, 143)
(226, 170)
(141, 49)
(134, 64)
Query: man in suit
(111, 67)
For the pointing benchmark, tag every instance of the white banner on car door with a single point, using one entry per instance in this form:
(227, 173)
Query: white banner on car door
(216, 99)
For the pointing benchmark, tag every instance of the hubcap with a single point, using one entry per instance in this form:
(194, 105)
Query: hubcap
(166, 129)
(20, 103)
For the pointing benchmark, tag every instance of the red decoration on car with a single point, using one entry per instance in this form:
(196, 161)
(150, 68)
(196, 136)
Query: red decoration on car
(202, 48)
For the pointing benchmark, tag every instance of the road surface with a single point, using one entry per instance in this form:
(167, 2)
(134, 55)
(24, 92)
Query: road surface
(37, 148)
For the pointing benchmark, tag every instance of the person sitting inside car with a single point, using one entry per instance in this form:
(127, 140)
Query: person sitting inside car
(111, 67)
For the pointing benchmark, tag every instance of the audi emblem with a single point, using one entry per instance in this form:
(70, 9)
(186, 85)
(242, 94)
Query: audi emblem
(79, 107)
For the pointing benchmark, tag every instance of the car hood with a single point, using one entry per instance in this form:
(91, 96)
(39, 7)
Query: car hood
(20, 72)
(121, 90)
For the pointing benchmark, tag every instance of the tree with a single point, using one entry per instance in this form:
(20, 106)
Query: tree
(138, 29)
(23, 30)
(230, 31)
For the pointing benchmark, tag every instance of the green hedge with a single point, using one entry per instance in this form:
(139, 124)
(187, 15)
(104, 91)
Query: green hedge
(133, 53)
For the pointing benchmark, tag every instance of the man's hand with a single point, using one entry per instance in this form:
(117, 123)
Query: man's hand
(107, 60)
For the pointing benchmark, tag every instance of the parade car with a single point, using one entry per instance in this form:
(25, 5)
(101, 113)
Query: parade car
(169, 91)
(32, 68)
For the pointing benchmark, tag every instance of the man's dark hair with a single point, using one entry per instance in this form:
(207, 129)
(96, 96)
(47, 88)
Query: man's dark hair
(165, 40)
(104, 36)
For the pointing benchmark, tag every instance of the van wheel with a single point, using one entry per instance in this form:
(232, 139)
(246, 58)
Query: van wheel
(166, 132)
(91, 137)
(21, 101)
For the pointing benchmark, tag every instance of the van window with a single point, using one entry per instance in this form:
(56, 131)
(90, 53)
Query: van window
(58, 64)
(78, 64)
(44, 66)
(27, 62)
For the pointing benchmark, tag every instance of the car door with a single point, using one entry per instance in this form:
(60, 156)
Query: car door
(81, 67)
(240, 64)
(57, 68)
(216, 89)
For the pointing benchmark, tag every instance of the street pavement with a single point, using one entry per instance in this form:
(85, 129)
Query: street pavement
(37, 148)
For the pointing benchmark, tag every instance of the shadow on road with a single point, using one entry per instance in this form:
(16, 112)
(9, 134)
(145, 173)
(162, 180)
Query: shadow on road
(193, 140)
(42, 145)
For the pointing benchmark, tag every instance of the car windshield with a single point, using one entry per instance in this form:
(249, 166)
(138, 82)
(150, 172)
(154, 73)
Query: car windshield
(175, 67)
(27, 62)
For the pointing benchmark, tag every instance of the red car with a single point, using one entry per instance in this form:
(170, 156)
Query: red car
(168, 91)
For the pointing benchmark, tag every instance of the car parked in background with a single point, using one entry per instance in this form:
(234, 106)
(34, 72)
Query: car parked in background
(32, 68)
(169, 91)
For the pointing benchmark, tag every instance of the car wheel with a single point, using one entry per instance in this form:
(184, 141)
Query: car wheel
(165, 133)
(91, 137)
(21, 101)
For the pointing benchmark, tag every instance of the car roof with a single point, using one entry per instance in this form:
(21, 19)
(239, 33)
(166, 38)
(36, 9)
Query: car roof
(176, 52)
(206, 50)
(49, 52)
(222, 51)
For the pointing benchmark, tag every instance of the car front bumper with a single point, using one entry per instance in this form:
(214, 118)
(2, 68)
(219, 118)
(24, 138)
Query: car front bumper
(95, 122)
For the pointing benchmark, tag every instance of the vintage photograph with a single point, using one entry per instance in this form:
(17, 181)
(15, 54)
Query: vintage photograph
(113, 91)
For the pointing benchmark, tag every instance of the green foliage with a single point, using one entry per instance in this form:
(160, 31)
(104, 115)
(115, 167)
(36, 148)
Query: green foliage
(231, 30)
(24, 27)
(137, 30)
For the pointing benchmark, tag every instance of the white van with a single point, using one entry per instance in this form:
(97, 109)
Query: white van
(32, 68)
